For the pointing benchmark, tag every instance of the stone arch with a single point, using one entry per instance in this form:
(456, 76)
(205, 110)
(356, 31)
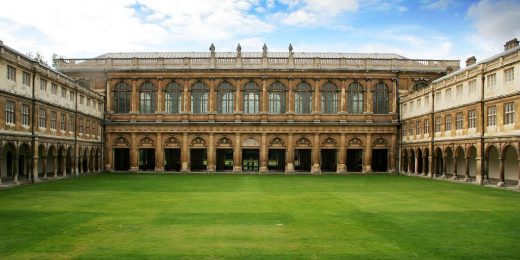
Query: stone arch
(172, 141)
(121, 142)
(420, 164)
(449, 160)
(224, 142)
(52, 166)
(303, 142)
(92, 160)
(69, 164)
(62, 153)
(492, 163)
(84, 159)
(25, 159)
(277, 142)
(146, 142)
(250, 142)
(329, 141)
(380, 142)
(438, 161)
(412, 161)
(355, 142)
(471, 155)
(198, 141)
(510, 157)
(404, 161)
(9, 153)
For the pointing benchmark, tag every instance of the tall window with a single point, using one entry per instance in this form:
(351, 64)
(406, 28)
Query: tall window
(303, 98)
(25, 115)
(329, 98)
(147, 98)
(63, 123)
(404, 130)
(492, 116)
(426, 126)
(509, 113)
(11, 73)
(87, 127)
(225, 98)
(460, 90)
(509, 74)
(251, 98)
(420, 85)
(9, 112)
(71, 95)
(122, 98)
(472, 118)
(63, 92)
(437, 124)
(380, 98)
(277, 96)
(472, 86)
(199, 98)
(43, 85)
(459, 118)
(173, 98)
(43, 118)
(491, 80)
(355, 98)
(54, 88)
(26, 79)
(53, 120)
(71, 123)
(447, 126)
(448, 94)
(411, 129)
(80, 122)
(418, 128)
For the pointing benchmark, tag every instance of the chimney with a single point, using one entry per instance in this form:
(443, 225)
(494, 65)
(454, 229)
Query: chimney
(471, 60)
(511, 44)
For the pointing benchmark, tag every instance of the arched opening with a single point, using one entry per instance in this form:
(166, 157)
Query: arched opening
(472, 163)
(510, 157)
(277, 97)
(426, 161)
(24, 162)
(61, 161)
(51, 162)
(173, 98)
(42, 154)
(199, 98)
(449, 162)
(68, 163)
(419, 161)
(84, 161)
(439, 162)
(303, 98)
(493, 164)
(329, 98)
(404, 161)
(147, 98)
(412, 162)
(98, 160)
(355, 98)
(251, 101)
(460, 161)
(122, 98)
(9, 167)
(92, 160)
(225, 98)
(380, 98)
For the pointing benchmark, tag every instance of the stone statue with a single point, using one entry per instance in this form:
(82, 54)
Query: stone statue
(290, 48)
(239, 50)
(264, 49)
(212, 48)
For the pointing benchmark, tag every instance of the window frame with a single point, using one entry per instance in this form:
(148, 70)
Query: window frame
(303, 96)
(492, 116)
(329, 98)
(10, 112)
(509, 113)
(225, 98)
(251, 98)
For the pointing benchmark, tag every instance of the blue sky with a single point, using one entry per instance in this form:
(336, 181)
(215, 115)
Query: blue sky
(432, 29)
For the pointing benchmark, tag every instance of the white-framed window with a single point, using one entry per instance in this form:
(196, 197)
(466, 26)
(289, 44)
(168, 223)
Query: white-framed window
(448, 94)
(459, 118)
(460, 90)
(63, 92)
(492, 80)
(411, 106)
(472, 86)
(54, 88)
(63, 122)
(10, 112)
(88, 102)
(26, 79)
(447, 121)
(43, 85)
(437, 124)
(25, 115)
(71, 123)
(87, 127)
(53, 120)
(80, 122)
(11, 73)
(43, 118)
(492, 116)
(71, 95)
(472, 119)
(509, 113)
(509, 74)
(438, 97)
(426, 126)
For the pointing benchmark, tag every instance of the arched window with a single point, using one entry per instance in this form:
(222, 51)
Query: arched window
(225, 98)
(380, 98)
(199, 98)
(277, 96)
(122, 98)
(147, 98)
(251, 98)
(329, 98)
(420, 85)
(303, 98)
(355, 98)
(173, 98)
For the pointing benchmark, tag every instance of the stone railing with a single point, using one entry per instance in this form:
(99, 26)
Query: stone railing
(256, 63)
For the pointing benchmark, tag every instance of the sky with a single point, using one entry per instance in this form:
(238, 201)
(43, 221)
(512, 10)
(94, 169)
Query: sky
(420, 29)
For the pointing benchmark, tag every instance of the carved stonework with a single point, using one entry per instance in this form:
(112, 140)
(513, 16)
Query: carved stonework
(380, 142)
(303, 142)
(224, 142)
(147, 141)
(277, 142)
(251, 142)
(355, 142)
(329, 142)
(121, 141)
(198, 142)
(172, 142)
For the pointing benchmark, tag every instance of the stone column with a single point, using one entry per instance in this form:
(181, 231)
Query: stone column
(44, 166)
(55, 168)
(186, 101)
(317, 101)
(342, 154)
(368, 107)
(289, 168)
(410, 165)
(15, 168)
(501, 181)
(425, 164)
(343, 97)
(185, 153)
(392, 153)
(134, 104)
(264, 99)
(290, 97)
(316, 168)
(263, 154)
(35, 159)
(416, 165)
(237, 154)
(431, 163)
(64, 164)
(211, 102)
(211, 153)
(455, 177)
(75, 160)
(368, 154)
(392, 96)
(109, 165)
(159, 154)
(134, 160)
(444, 164)
(109, 97)
(518, 182)
(160, 96)
(466, 169)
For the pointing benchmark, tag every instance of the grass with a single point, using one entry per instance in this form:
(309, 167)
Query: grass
(257, 216)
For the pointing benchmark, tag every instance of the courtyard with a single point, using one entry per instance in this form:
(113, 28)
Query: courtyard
(257, 216)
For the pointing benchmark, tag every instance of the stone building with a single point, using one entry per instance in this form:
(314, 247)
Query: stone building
(465, 125)
(252, 111)
(50, 126)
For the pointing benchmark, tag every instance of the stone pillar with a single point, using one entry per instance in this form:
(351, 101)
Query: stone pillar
(289, 168)
(368, 99)
(15, 169)
(134, 104)
(211, 102)
(211, 153)
(44, 166)
(501, 181)
(185, 153)
(237, 154)
(316, 168)
(425, 164)
(109, 165)
(416, 165)
(343, 97)
(317, 101)
(455, 177)
(466, 169)
(160, 96)
(64, 164)
(342, 154)
(290, 97)
(35, 159)
(186, 100)
(159, 153)
(392, 96)
(109, 97)
(480, 171)
(55, 168)
(392, 154)
(75, 160)
(264, 101)
(263, 154)
(368, 154)
(410, 165)
(444, 164)
(431, 163)
(134, 160)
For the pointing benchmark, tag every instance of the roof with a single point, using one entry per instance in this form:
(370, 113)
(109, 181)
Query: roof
(169, 55)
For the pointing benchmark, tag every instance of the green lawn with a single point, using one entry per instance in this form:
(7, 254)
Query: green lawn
(257, 216)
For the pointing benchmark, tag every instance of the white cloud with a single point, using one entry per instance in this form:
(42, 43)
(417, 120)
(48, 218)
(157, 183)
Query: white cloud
(314, 13)
(437, 4)
(497, 20)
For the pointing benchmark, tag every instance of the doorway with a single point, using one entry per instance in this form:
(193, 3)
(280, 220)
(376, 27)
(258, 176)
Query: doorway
(250, 160)
(302, 160)
(328, 160)
(121, 159)
(276, 160)
(147, 159)
(172, 159)
(224, 159)
(380, 160)
(198, 159)
(354, 160)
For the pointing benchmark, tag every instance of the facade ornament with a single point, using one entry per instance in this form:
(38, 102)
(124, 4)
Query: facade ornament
(147, 141)
(303, 142)
(277, 141)
(198, 141)
(329, 141)
(250, 142)
(212, 49)
(355, 141)
(264, 49)
(239, 50)
(224, 141)
(290, 50)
